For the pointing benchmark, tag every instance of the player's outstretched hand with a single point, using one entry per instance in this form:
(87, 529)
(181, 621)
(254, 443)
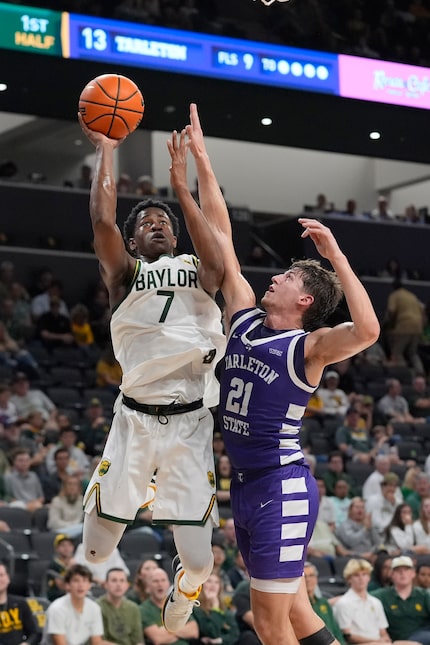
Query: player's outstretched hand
(178, 149)
(97, 138)
(321, 236)
(195, 133)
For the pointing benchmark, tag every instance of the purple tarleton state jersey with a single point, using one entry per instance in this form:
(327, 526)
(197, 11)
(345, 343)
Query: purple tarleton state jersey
(264, 393)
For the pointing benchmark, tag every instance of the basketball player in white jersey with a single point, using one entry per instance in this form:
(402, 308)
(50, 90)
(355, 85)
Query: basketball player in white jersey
(274, 360)
(166, 333)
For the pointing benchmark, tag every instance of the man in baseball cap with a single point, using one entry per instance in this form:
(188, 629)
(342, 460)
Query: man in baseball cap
(406, 607)
(61, 537)
(64, 550)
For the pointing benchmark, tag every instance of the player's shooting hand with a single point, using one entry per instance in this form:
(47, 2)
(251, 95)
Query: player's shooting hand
(98, 138)
(178, 149)
(321, 236)
(195, 133)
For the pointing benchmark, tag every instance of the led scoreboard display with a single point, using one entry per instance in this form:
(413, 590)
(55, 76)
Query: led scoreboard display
(124, 43)
(187, 53)
(113, 42)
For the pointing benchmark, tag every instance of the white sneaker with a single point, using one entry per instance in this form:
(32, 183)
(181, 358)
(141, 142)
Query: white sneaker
(178, 605)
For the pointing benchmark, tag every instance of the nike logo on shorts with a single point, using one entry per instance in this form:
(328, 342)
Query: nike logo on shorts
(265, 503)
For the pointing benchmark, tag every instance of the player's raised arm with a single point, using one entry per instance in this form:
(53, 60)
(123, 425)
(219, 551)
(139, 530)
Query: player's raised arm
(211, 267)
(328, 346)
(236, 291)
(116, 263)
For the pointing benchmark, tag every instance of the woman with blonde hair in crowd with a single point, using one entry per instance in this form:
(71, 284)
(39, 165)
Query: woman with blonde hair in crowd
(409, 480)
(217, 624)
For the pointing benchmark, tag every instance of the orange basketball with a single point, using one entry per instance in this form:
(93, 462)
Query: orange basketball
(111, 104)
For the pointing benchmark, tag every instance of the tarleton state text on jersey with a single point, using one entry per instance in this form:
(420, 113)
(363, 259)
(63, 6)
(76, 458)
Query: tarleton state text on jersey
(239, 361)
(235, 425)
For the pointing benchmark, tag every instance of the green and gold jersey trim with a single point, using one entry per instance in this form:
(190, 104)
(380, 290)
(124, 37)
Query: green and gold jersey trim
(201, 522)
(130, 286)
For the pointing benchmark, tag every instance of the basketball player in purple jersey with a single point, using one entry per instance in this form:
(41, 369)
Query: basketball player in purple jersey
(275, 359)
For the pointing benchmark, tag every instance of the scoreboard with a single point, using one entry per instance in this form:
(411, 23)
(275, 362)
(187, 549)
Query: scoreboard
(74, 36)
(199, 54)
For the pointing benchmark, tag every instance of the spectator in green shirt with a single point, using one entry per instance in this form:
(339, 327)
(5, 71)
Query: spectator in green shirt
(320, 605)
(406, 607)
(421, 489)
(121, 617)
(352, 438)
(244, 615)
(381, 574)
(335, 471)
(216, 623)
(138, 591)
(64, 550)
(150, 613)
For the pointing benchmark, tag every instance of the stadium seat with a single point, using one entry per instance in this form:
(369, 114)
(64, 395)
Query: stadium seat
(65, 397)
(358, 471)
(325, 569)
(17, 518)
(37, 581)
(134, 542)
(411, 450)
(20, 542)
(43, 544)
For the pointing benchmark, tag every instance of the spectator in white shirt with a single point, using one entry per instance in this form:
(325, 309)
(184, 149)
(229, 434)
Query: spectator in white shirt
(335, 401)
(74, 618)
(22, 484)
(381, 211)
(361, 617)
(372, 485)
(421, 526)
(79, 462)
(382, 507)
(394, 406)
(341, 501)
(326, 511)
(27, 400)
(41, 303)
(400, 535)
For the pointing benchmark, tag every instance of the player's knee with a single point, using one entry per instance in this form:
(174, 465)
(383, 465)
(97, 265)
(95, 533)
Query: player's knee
(202, 565)
(95, 553)
(100, 537)
(321, 637)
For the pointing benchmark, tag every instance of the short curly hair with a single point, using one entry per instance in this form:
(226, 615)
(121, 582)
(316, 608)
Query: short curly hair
(130, 222)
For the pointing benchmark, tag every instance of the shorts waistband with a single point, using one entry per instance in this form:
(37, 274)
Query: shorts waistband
(250, 475)
(166, 410)
(243, 476)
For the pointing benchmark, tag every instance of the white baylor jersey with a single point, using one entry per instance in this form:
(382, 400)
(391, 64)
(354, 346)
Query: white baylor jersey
(167, 333)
